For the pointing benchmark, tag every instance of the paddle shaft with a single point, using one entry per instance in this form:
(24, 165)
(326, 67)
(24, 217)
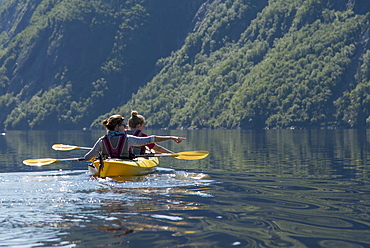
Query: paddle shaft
(61, 147)
(47, 161)
(190, 155)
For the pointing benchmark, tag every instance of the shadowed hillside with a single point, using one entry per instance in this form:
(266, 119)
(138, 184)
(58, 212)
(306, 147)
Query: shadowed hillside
(65, 62)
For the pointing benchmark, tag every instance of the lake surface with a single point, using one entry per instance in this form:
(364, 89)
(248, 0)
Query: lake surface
(267, 188)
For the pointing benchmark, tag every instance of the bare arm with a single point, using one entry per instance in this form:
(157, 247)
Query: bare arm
(141, 141)
(165, 138)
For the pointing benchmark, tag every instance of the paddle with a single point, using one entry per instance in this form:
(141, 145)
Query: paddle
(47, 161)
(191, 155)
(61, 147)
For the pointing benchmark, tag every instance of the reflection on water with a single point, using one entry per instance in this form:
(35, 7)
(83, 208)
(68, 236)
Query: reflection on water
(47, 206)
(272, 188)
(17, 146)
(298, 152)
(290, 212)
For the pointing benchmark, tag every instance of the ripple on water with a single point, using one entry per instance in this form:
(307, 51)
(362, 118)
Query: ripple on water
(37, 206)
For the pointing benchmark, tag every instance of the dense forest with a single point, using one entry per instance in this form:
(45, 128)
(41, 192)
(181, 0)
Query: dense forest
(68, 64)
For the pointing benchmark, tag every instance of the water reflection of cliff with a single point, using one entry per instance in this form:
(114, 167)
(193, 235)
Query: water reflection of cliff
(16, 146)
(298, 152)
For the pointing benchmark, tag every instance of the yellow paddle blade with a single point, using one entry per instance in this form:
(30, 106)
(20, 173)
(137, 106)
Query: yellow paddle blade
(40, 162)
(193, 155)
(62, 147)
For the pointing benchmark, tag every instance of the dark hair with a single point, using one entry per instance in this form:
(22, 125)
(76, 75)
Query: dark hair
(112, 122)
(135, 119)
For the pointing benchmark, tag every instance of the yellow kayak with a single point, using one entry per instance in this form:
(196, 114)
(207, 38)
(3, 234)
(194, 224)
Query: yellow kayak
(143, 164)
(124, 167)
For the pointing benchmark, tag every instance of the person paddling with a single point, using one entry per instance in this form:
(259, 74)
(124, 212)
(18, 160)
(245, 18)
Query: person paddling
(116, 143)
(136, 126)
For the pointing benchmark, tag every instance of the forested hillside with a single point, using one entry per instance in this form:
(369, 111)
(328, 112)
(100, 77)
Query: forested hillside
(296, 63)
(203, 64)
(65, 62)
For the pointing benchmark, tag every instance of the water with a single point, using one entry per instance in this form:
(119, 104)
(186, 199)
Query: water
(273, 188)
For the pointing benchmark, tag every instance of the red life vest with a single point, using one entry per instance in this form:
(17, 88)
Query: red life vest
(115, 147)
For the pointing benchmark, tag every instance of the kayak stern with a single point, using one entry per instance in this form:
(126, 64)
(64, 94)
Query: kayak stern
(124, 167)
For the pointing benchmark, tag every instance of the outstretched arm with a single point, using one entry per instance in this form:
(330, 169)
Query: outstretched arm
(165, 138)
(142, 141)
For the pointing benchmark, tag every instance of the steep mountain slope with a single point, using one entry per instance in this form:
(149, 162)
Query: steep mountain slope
(200, 63)
(287, 63)
(65, 62)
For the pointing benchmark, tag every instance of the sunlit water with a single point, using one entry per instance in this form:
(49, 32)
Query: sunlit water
(273, 188)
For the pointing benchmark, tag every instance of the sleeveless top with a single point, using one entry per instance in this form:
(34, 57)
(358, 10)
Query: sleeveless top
(115, 147)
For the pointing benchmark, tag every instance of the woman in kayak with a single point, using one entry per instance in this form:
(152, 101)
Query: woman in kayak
(136, 125)
(116, 142)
